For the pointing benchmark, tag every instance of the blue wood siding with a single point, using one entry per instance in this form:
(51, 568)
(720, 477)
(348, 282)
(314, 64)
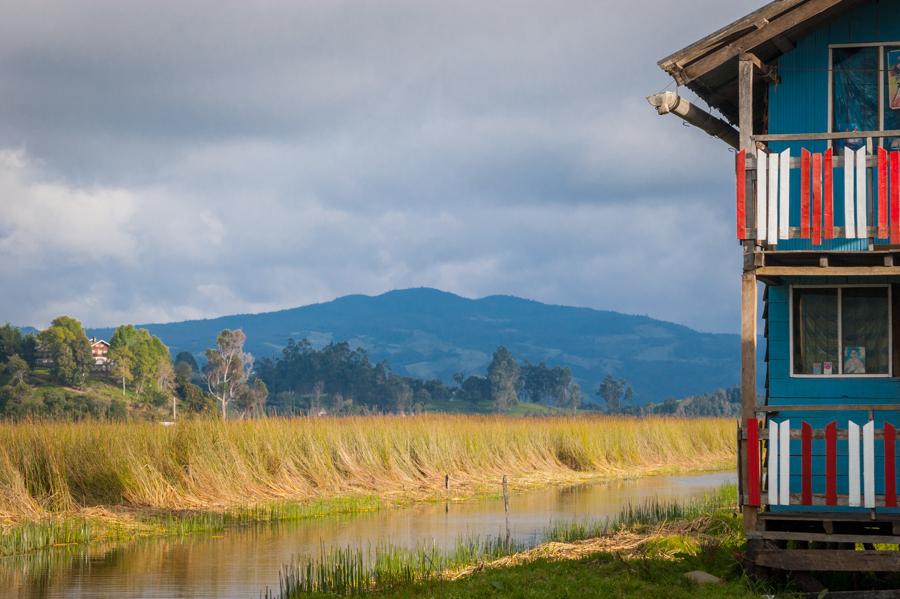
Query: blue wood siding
(787, 390)
(799, 102)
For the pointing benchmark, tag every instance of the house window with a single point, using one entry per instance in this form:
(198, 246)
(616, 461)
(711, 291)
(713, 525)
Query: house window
(841, 331)
(864, 91)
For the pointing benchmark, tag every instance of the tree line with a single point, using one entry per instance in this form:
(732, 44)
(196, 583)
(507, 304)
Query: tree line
(44, 374)
(48, 374)
(341, 379)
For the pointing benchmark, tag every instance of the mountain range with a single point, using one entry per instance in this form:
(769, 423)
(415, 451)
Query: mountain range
(427, 333)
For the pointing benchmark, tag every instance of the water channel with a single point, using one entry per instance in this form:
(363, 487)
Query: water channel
(242, 562)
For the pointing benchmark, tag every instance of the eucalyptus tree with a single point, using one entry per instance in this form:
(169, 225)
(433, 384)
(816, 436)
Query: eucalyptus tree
(227, 368)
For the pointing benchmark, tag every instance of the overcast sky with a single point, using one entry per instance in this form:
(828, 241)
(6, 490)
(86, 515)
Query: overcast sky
(170, 160)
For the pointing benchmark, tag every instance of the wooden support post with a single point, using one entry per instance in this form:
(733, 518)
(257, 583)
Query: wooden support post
(745, 103)
(748, 289)
(748, 375)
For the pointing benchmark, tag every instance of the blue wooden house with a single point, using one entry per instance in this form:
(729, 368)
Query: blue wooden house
(807, 92)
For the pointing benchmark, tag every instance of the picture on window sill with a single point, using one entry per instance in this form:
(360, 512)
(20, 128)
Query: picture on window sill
(854, 360)
(893, 73)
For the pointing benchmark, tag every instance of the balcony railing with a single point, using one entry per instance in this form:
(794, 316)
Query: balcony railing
(845, 463)
(809, 197)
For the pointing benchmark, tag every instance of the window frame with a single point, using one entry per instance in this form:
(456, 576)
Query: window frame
(840, 335)
(881, 48)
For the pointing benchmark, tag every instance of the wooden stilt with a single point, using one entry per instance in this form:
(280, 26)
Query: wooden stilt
(748, 373)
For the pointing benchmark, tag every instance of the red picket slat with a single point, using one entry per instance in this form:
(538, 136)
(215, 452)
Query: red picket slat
(890, 471)
(882, 194)
(753, 497)
(829, 195)
(831, 464)
(804, 193)
(741, 175)
(895, 197)
(806, 461)
(817, 198)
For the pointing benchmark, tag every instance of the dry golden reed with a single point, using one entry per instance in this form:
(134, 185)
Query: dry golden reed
(48, 469)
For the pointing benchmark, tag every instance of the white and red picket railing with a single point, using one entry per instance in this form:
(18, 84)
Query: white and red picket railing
(860, 456)
(764, 202)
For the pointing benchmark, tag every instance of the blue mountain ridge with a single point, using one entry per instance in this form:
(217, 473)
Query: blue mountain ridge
(427, 333)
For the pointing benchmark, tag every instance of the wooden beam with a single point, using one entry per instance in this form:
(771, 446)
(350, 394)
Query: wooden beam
(769, 72)
(829, 538)
(745, 101)
(819, 560)
(825, 136)
(829, 271)
(783, 44)
(688, 54)
(748, 376)
(821, 407)
(753, 39)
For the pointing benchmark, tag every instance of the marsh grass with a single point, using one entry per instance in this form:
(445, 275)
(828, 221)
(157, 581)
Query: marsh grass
(107, 527)
(354, 570)
(71, 483)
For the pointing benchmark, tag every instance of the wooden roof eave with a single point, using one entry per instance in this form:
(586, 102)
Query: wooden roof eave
(708, 66)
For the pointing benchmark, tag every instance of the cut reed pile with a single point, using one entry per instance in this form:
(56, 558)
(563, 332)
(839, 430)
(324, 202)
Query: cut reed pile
(48, 469)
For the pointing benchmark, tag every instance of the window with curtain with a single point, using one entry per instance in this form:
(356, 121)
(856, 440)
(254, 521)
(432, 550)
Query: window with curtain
(841, 331)
(855, 92)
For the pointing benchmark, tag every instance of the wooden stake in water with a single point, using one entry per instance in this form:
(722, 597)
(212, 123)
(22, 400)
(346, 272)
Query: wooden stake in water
(505, 494)
(446, 493)
(506, 505)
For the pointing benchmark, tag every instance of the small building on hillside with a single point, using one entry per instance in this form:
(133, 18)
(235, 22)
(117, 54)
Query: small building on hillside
(100, 353)
(809, 97)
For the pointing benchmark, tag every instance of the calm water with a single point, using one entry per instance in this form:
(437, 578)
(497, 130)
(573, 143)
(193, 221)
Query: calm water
(241, 562)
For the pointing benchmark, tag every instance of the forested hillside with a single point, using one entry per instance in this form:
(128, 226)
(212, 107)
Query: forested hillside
(426, 333)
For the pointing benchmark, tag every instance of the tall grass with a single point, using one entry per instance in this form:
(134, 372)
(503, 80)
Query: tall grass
(52, 469)
(354, 570)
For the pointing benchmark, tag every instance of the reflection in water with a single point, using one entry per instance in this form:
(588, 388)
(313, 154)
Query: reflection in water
(242, 562)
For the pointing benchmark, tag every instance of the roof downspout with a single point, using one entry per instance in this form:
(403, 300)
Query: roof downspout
(670, 102)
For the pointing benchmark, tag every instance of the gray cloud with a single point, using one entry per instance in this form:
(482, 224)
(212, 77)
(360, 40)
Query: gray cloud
(169, 160)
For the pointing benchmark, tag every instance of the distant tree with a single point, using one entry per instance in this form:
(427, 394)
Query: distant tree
(122, 360)
(611, 390)
(29, 349)
(69, 350)
(503, 375)
(629, 396)
(400, 394)
(571, 398)
(251, 398)
(142, 359)
(476, 389)
(227, 367)
(183, 373)
(17, 370)
(10, 341)
(187, 358)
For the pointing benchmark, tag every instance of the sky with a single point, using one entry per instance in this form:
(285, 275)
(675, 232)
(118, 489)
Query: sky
(164, 160)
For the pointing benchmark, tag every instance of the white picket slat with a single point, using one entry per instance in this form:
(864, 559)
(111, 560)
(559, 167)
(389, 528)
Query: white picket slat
(784, 195)
(853, 464)
(849, 211)
(762, 186)
(869, 463)
(773, 463)
(772, 227)
(862, 226)
(784, 466)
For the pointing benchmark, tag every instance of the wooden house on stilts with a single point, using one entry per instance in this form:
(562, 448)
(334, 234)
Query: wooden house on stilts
(809, 96)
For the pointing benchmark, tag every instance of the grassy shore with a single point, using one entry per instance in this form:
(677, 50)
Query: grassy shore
(644, 551)
(92, 480)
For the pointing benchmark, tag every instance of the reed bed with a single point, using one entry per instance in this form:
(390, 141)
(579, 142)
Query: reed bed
(52, 469)
(384, 567)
